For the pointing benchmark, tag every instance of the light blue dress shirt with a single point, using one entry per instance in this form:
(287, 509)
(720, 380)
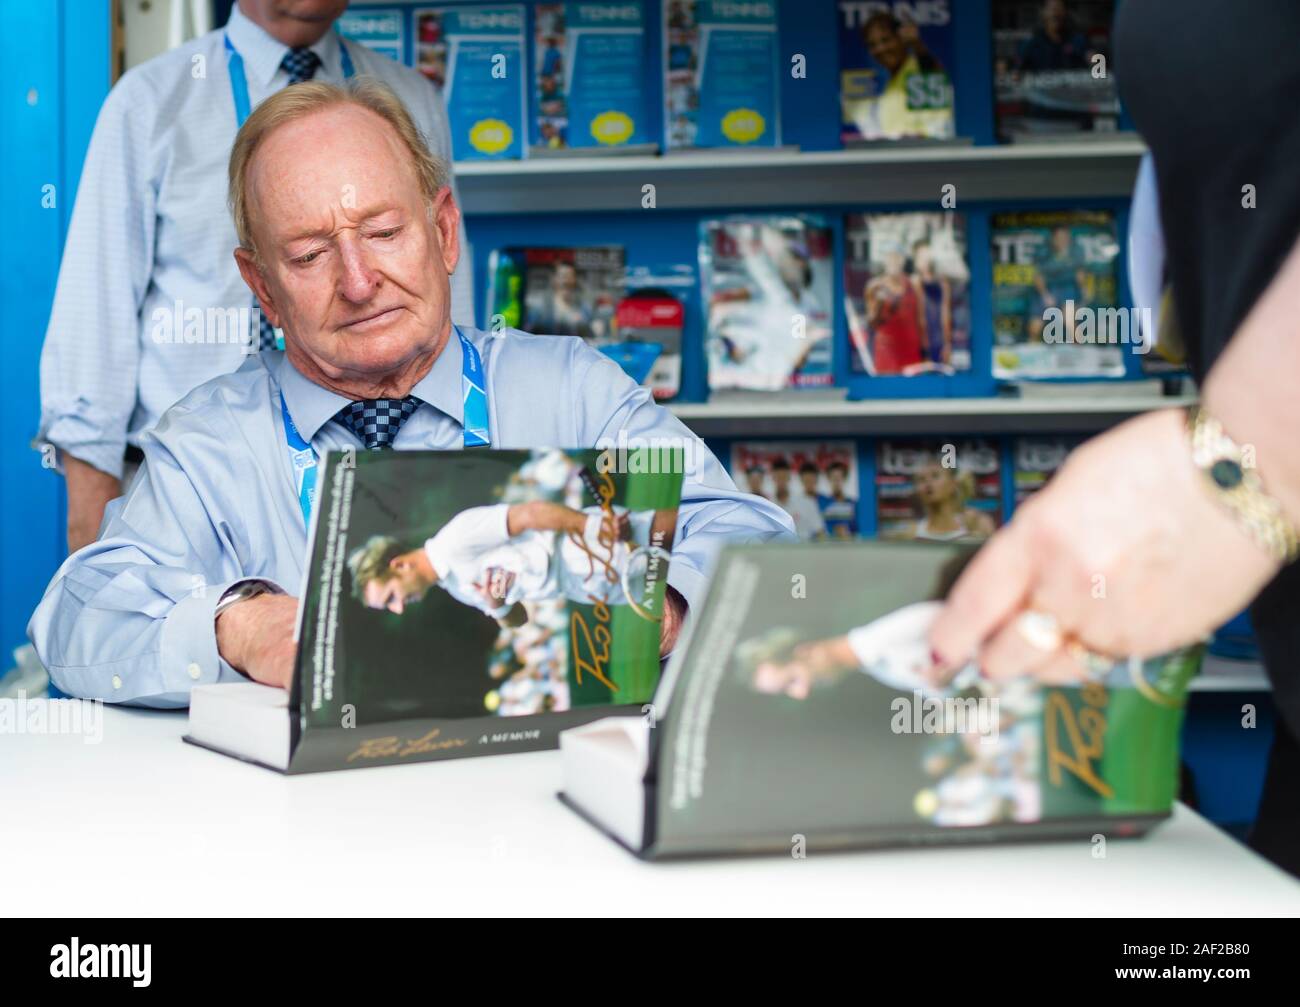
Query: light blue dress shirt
(129, 619)
(150, 303)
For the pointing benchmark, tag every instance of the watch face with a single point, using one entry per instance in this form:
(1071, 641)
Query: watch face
(1226, 473)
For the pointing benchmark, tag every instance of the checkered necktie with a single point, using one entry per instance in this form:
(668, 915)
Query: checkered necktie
(376, 421)
(300, 64)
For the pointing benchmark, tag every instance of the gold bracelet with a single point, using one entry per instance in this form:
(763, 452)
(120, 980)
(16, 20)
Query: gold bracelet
(1238, 487)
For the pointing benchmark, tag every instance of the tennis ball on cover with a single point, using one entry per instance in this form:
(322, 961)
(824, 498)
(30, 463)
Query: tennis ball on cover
(492, 700)
(926, 803)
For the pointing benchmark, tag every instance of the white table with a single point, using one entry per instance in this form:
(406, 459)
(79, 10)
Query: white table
(142, 824)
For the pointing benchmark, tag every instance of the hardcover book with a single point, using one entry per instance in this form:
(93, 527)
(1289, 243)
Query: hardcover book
(462, 603)
(784, 725)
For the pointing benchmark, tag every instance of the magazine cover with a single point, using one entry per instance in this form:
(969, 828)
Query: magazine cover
(451, 592)
(894, 71)
(1036, 461)
(475, 56)
(382, 29)
(589, 73)
(720, 83)
(768, 287)
(786, 725)
(907, 293)
(559, 291)
(942, 491)
(1056, 307)
(815, 482)
(1052, 77)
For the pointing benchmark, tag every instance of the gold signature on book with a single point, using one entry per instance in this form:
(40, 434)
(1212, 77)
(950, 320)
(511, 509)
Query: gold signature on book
(591, 646)
(1085, 733)
(394, 747)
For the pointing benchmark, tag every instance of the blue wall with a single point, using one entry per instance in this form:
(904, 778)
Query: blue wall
(54, 68)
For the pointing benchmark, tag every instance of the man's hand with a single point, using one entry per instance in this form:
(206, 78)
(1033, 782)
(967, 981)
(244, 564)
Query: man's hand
(1125, 549)
(89, 491)
(670, 626)
(256, 637)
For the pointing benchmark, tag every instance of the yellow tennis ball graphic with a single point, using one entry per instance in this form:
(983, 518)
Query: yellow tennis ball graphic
(492, 701)
(926, 803)
(743, 125)
(491, 136)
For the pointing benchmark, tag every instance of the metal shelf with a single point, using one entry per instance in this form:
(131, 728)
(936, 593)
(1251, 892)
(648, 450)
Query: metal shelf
(813, 414)
(1064, 170)
(1218, 674)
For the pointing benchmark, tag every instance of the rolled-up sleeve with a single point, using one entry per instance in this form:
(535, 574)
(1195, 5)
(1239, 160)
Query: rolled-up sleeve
(91, 355)
(130, 618)
(613, 410)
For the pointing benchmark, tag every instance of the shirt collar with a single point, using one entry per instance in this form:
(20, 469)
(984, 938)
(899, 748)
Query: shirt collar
(312, 406)
(262, 54)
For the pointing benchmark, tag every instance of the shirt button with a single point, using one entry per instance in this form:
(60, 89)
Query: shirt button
(117, 681)
(195, 671)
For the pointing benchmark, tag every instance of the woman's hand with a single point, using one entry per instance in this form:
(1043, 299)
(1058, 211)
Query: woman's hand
(1126, 548)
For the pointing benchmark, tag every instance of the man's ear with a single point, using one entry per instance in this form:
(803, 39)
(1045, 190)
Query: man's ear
(446, 221)
(252, 274)
(399, 564)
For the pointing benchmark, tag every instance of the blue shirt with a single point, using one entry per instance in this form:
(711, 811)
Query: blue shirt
(150, 303)
(130, 618)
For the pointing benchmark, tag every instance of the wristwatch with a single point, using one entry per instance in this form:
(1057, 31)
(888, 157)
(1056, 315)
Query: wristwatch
(242, 591)
(1236, 484)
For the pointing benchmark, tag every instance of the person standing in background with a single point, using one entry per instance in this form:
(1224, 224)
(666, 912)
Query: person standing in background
(150, 303)
(1183, 517)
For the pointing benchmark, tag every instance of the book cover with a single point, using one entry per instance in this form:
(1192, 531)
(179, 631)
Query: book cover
(1036, 461)
(1052, 77)
(793, 726)
(941, 491)
(768, 287)
(465, 603)
(589, 69)
(815, 482)
(1056, 311)
(474, 54)
(907, 293)
(720, 63)
(895, 61)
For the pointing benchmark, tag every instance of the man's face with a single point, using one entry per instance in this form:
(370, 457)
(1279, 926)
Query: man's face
(294, 22)
(809, 480)
(354, 266)
(836, 477)
(781, 479)
(403, 586)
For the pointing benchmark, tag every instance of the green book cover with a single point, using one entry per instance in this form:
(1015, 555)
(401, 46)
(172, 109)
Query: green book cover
(798, 713)
(462, 603)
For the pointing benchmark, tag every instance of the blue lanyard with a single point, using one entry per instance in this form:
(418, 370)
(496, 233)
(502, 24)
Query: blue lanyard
(476, 425)
(239, 82)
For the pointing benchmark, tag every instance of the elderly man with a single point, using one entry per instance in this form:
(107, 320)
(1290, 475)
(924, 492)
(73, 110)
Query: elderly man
(347, 235)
